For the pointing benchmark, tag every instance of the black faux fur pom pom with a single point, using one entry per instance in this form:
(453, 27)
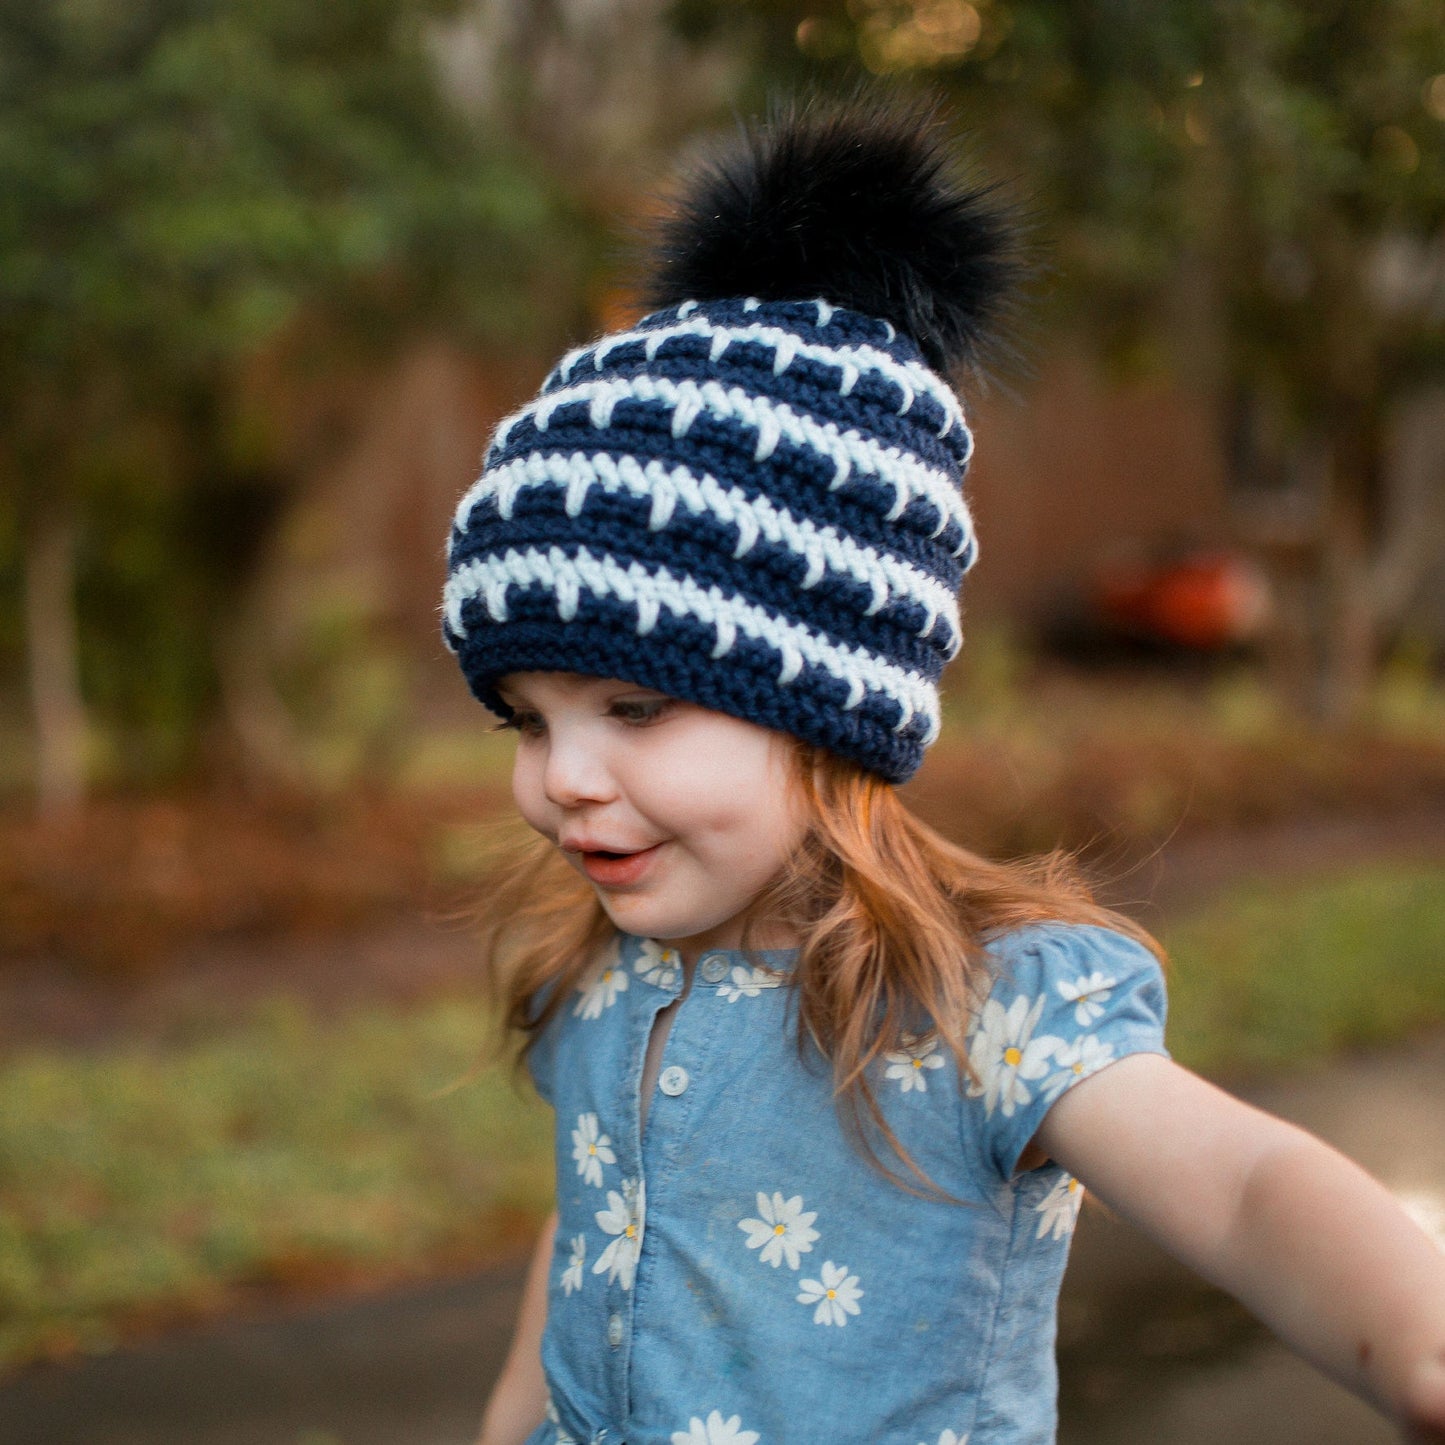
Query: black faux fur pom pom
(855, 201)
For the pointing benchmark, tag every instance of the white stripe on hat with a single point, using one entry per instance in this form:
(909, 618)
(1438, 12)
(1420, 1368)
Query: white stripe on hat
(890, 578)
(568, 576)
(848, 451)
(910, 377)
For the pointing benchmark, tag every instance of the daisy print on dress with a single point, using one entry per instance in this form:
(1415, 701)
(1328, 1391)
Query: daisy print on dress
(1088, 995)
(1004, 1053)
(623, 1218)
(784, 1231)
(1059, 1209)
(601, 991)
(572, 1275)
(657, 965)
(561, 1437)
(747, 983)
(1077, 1061)
(591, 1148)
(910, 1064)
(949, 1438)
(715, 1431)
(836, 1294)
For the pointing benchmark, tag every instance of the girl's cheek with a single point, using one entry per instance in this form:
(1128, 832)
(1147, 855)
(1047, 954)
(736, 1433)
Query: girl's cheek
(527, 791)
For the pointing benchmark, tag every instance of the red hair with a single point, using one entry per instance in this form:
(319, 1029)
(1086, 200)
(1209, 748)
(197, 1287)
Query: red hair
(890, 915)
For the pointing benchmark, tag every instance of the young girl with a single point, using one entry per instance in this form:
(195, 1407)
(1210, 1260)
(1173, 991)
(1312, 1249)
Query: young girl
(828, 1088)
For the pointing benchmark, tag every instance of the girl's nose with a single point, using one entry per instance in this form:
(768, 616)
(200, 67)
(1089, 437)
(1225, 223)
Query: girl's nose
(575, 773)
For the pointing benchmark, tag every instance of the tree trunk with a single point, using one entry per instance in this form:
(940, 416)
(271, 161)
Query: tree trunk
(269, 746)
(54, 660)
(1361, 558)
(1346, 526)
(1288, 642)
(1346, 624)
(1277, 504)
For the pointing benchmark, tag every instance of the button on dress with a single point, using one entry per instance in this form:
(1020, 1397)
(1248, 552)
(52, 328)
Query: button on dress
(734, 1272)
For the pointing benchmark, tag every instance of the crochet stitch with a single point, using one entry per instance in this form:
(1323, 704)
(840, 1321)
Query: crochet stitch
(754, 505)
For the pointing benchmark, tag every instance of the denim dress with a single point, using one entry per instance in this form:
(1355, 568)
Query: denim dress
(737, 1274)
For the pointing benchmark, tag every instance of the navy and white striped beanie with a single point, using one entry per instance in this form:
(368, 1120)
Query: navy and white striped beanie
(751, 503)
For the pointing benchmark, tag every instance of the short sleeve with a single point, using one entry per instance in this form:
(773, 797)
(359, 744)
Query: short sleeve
(1067, 1001)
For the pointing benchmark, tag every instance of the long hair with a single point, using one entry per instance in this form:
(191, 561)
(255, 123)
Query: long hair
(891, 920)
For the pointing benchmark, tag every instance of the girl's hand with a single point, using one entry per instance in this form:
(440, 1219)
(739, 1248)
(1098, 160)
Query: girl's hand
(1425, 1403)
(518, 1401)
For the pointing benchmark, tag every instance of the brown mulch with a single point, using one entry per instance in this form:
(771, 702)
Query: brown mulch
(151, 914)
(122, 889)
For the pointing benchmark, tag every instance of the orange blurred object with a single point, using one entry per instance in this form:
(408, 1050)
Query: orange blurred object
(1204, 600)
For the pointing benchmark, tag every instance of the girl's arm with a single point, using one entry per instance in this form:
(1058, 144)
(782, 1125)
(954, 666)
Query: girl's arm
(1299, 1234)
(519, 1399)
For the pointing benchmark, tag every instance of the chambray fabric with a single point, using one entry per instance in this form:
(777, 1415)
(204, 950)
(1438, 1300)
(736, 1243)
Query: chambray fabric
(736, 1274)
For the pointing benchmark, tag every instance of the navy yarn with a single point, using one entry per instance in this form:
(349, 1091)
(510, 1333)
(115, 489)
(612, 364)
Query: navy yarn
(798, 479)
(570, 555)
(702, 549)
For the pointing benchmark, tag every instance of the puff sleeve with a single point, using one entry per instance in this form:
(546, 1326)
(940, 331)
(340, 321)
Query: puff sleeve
(1067, 1001)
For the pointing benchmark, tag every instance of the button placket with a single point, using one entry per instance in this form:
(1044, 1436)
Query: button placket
(620, 1304)
(714, 968)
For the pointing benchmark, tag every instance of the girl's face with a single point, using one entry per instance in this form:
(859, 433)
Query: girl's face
(679, 816)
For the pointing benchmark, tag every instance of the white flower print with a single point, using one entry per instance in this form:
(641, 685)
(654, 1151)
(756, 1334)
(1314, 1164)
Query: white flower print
(716, 1431)
(949, 1438)
(572, 1275)
(1004, 1053)
(624, 1218)
(1077, 1060)
(656, 964)
(562, 1437)
(910, 1064)
(1088, 995)
(601, 990)
(747, 983)
(836, 1294)
(1059, 1208)
(591, 1148)
(784, 1231)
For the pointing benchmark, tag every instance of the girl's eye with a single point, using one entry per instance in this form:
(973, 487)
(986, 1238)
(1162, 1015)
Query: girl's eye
(527, 724)
(639, 711)
(635, 712)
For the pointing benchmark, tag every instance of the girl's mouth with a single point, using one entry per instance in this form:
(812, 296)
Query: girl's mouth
(615, 870)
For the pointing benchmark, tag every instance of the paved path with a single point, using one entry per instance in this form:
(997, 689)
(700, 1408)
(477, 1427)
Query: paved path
(1150, 1356)
(410, 1367)
(1199, 1371)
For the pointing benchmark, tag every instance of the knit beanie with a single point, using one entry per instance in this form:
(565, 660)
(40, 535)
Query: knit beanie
(752, 498)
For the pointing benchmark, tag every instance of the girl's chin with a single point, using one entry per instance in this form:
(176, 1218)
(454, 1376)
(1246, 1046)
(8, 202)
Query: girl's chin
(687, 934)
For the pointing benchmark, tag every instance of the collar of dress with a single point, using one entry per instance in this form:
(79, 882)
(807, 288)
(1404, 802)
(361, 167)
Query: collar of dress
(654, 962)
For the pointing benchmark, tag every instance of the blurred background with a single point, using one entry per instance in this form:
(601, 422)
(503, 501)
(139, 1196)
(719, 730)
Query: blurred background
(270, 273)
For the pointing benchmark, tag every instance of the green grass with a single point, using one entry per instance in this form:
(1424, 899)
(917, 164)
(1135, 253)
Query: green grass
(1266, 977)
(143, 1184)
(154, 1184)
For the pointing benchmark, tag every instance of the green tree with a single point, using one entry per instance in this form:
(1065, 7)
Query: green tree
(1251, 190)
(190, 187)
